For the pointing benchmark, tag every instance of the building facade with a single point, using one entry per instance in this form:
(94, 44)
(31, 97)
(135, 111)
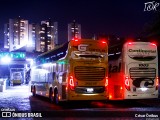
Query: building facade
(41, 37)
(15, 34)
(47, 37)
(32, 38)
(74, 31)
(6, 36)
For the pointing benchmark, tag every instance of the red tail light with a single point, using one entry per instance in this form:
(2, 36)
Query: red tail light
(106, 83)
(71, 82)
(127, 85)
(157, 83)
(104, 42)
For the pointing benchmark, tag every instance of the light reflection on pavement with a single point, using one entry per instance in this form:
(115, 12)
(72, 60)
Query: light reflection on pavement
(16, 97)
(20, 99)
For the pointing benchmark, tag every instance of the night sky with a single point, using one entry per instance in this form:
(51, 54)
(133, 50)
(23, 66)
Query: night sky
(123, 18)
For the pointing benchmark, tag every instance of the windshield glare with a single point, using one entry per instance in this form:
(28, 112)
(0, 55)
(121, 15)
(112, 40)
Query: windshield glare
(86, 55)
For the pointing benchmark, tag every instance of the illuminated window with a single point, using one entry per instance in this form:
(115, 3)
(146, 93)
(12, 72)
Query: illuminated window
(41, 32)
(42, 43)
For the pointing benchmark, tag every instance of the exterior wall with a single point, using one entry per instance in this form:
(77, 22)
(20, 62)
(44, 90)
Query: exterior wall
(18, 33)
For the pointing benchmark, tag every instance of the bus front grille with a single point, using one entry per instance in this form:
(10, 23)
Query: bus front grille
(136, 72)
(88, 73)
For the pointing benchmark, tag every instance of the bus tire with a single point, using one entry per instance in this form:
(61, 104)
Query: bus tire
(51, 95)
(56, 99)
(33, 90)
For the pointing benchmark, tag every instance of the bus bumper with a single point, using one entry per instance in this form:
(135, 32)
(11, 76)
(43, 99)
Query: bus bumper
(16, 82)
(132, 95)
(88, 97)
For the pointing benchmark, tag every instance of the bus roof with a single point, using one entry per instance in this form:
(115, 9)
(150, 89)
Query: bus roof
(62, 45)
(45, 53)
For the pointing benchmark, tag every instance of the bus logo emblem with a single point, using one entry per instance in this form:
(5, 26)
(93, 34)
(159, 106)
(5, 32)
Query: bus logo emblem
(82, 47)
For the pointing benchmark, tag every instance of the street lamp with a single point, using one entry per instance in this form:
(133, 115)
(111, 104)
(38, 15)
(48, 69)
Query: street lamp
(6, 60)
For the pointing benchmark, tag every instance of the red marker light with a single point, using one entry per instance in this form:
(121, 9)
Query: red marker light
(104, 42)
(153, 44)
(129, 43)
(75, 39)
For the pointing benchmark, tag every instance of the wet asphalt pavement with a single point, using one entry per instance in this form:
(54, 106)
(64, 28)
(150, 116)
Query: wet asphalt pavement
(19, 101)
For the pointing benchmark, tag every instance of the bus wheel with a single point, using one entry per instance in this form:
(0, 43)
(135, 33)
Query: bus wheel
(51, 95)
(56, 99)
(34, 91)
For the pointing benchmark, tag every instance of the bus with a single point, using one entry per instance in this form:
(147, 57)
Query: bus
(16, 78)
(76, 70)
(133, 71)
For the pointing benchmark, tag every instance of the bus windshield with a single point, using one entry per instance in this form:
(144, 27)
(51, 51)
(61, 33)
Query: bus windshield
(142, 52)
(79, 55)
